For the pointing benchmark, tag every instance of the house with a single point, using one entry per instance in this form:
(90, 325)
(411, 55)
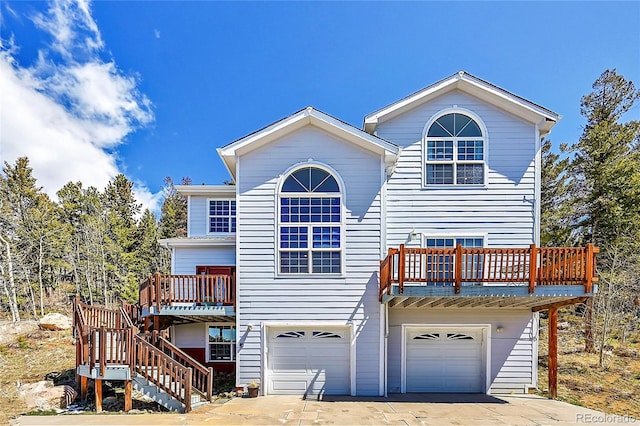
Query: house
(400, 257)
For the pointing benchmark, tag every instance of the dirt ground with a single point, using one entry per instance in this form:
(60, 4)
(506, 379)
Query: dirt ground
(614, 388)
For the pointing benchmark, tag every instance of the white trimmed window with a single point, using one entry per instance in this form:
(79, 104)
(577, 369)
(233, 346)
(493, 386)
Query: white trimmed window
(222, 343)
(222, 216)
(454, 151)
(310, 225)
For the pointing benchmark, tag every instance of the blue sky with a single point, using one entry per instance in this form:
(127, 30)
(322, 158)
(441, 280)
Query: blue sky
(151, 89)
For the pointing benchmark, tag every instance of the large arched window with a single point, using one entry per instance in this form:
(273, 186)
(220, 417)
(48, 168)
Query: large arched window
(309, 230)
(454, 151)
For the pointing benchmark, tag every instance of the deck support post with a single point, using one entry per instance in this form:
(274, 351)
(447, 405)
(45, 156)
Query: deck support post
(98, 393)
(553, 353)
(533, 268)
(83, 387)
(401, 266)
(458, 269)
(128, 402)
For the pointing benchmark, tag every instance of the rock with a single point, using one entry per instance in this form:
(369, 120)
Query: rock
(564, 325)
(110, 400)
(44, 396)
(10, 331)
(56, 322)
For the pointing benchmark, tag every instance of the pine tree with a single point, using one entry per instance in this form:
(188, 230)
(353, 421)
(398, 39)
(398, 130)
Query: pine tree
(606, 164)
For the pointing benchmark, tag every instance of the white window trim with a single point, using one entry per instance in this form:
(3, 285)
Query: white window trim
(342, 223)
(208, 216)
(233, 343)
(485, 151)
(454, 236)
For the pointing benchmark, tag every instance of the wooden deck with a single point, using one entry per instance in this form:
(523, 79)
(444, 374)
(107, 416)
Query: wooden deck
(110, 347)
(161, 291)
(489, 273)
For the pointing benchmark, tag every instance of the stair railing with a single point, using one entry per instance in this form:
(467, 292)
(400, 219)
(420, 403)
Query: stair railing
(163, 371)
(202, 376)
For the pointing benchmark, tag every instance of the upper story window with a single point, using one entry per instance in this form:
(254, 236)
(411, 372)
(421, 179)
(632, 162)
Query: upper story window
(222, 216)
(310, 226)
(454, 151)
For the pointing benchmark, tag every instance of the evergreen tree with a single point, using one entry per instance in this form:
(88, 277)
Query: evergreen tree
(173, 219)
(557, 204)
(121, 209)
(606, 163)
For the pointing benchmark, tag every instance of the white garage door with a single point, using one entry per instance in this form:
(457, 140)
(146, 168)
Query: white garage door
(308, 360)
(444, 360)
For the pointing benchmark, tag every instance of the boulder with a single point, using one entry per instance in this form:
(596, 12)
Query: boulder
(55, 322)
(44, 396)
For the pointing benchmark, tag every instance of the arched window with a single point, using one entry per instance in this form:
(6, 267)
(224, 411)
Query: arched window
(454, 151)
(309, 230)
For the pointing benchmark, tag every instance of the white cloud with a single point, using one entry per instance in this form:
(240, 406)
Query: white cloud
(156, 33)
(68, 116)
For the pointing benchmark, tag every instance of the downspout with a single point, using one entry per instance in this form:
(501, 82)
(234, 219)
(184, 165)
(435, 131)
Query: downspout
(386, 342)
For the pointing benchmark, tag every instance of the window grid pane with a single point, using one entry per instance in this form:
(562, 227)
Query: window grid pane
(294, 237)
(468, 174)
(439, 150)
(311, 209)
(470, 151)
(294, 262)
(326, 262)
(326, 237)
(440, 174)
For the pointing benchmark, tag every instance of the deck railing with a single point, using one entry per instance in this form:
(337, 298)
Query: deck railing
(202, 379)
(107, 337)
(532, 266)
(166, 373)
(165, 290)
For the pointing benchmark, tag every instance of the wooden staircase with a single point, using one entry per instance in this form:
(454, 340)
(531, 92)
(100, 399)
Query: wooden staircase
(110, 346)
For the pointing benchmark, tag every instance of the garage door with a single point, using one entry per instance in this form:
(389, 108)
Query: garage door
(444, 360)
(308, 360)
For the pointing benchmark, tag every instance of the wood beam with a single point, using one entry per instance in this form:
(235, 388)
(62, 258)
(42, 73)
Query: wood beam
(98, 393)
(128, 400)
(83, 387)
(561, 304)
(553, 353)
(410, 301)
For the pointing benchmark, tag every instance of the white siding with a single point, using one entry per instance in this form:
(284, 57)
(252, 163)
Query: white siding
(197, 216)
(185, 260)
(504, 210)
(190, 335)
(512, 351)
(265, 297)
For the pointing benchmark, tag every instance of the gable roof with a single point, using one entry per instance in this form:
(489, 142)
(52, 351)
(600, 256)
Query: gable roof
(472, 85)
(298, 120)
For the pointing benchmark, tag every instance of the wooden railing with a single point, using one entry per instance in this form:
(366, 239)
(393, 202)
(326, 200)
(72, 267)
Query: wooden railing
(132, 312)
(165, 290)
(202, 379)
(99, 344)
(166, 373)
(532, 266)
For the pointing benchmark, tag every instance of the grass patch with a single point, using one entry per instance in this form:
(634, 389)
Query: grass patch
(30, 359)
(613, 388)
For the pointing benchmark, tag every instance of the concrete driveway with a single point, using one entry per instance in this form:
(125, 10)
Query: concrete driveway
(409, 409)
